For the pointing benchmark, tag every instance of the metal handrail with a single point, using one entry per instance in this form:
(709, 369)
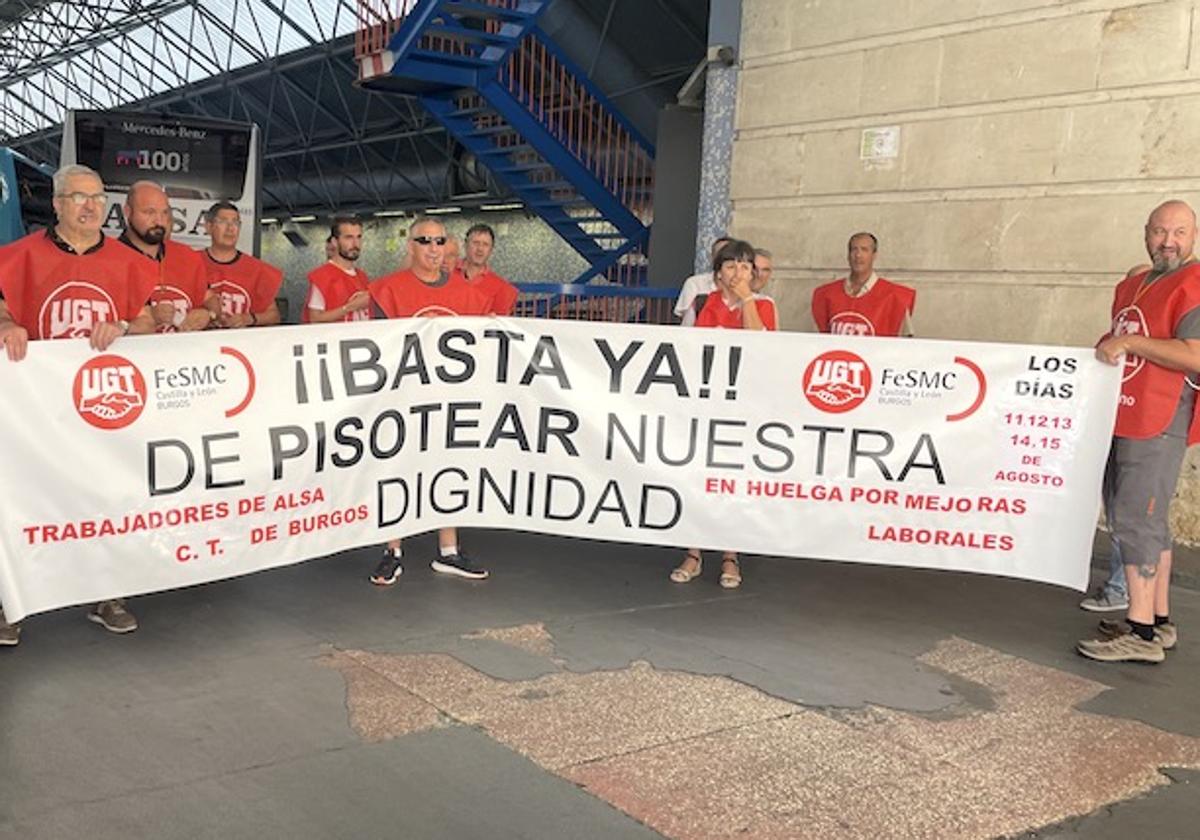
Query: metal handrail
(586, 302)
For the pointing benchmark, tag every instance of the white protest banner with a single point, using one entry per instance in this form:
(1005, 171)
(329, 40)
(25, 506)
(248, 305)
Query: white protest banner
(173, 460)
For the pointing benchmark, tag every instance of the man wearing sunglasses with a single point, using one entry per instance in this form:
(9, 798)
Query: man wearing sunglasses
(72, 281)
(245, 285)
(424, 291)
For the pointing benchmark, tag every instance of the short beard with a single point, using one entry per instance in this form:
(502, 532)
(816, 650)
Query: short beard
(152, 236)
(348, 256)
(1163, 263)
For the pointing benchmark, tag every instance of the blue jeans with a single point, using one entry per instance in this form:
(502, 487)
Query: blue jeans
(1115, 585)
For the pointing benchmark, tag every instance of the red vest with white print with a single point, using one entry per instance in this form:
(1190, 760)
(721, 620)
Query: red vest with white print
(245, 285)
(1150, 393)
(183, 282)
(880, 311)
(56, 294)
(336, 286)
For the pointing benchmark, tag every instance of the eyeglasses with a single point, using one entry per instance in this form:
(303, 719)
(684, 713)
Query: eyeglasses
(229, 223)
(79, 198)
(430, 240)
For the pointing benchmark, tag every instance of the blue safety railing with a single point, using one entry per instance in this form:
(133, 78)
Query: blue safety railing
(506, 92)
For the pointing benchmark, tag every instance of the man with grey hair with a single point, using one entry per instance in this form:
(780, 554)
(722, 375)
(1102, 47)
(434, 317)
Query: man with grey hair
(453, 255)
(764, 268)
(425, 291)
(1155, 336)
(72, 281)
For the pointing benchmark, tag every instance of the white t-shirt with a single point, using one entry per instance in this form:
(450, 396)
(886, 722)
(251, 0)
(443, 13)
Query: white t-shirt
(694, 286)
(316, 300)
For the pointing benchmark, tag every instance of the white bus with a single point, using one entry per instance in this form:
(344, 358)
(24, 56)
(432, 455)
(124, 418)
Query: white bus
(198, 161)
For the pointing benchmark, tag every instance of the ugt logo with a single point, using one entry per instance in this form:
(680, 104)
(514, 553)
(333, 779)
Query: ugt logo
(74, 309)
(234, 299)
(851, 323)
(837, 381)
(1131, 321)
(109, 392)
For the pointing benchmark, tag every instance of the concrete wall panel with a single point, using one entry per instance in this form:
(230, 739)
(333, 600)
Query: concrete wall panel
(1141, 44)
(800, 91)
(1033, 59)
(1035, 137)
(768, 166)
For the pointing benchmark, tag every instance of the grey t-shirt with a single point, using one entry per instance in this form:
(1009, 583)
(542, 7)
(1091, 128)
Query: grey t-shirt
(1189, 327)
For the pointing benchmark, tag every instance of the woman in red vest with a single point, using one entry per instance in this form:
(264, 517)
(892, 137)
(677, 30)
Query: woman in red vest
(735, 306)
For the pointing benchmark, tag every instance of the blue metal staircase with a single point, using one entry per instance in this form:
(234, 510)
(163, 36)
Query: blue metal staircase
(509, 96)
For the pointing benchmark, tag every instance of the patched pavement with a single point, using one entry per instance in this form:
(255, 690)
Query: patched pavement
(700, 758)
(579, 693)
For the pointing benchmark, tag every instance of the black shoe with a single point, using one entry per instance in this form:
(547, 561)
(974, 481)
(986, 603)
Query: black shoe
(388, 571)
(459, 565)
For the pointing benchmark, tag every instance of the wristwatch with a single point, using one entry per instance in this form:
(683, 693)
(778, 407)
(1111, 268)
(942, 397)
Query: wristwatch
(124, 325)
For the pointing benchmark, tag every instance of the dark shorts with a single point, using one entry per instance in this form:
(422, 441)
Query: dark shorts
(1139, 482)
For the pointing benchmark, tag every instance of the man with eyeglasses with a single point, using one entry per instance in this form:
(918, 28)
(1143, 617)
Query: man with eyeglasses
(181, 301)
(501, 295)
(764, 269)
(72, 281)
(245, 285)
(424, 291)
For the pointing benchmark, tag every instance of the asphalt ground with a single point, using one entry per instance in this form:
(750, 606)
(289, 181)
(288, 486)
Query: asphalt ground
(579, 693)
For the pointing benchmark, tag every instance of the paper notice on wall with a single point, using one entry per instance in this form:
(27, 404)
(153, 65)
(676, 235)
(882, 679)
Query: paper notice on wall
(880, 147)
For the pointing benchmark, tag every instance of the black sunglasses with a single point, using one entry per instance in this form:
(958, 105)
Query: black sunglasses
(429, 240)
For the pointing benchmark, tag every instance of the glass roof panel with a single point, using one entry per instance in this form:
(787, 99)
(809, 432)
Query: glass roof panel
(108, 53)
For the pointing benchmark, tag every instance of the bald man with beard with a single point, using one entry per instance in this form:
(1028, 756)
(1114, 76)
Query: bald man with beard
(181, 301)
(1155, 336)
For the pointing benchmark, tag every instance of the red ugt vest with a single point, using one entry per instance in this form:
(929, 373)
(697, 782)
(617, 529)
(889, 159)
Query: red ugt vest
(403, 295)
(245, 284)
(880, 311)
(53, 293)
(336, 286)
(182, 282)
(1150, 393)
(501, 295)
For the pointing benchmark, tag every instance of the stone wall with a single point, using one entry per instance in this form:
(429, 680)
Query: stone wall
(1034, 138)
